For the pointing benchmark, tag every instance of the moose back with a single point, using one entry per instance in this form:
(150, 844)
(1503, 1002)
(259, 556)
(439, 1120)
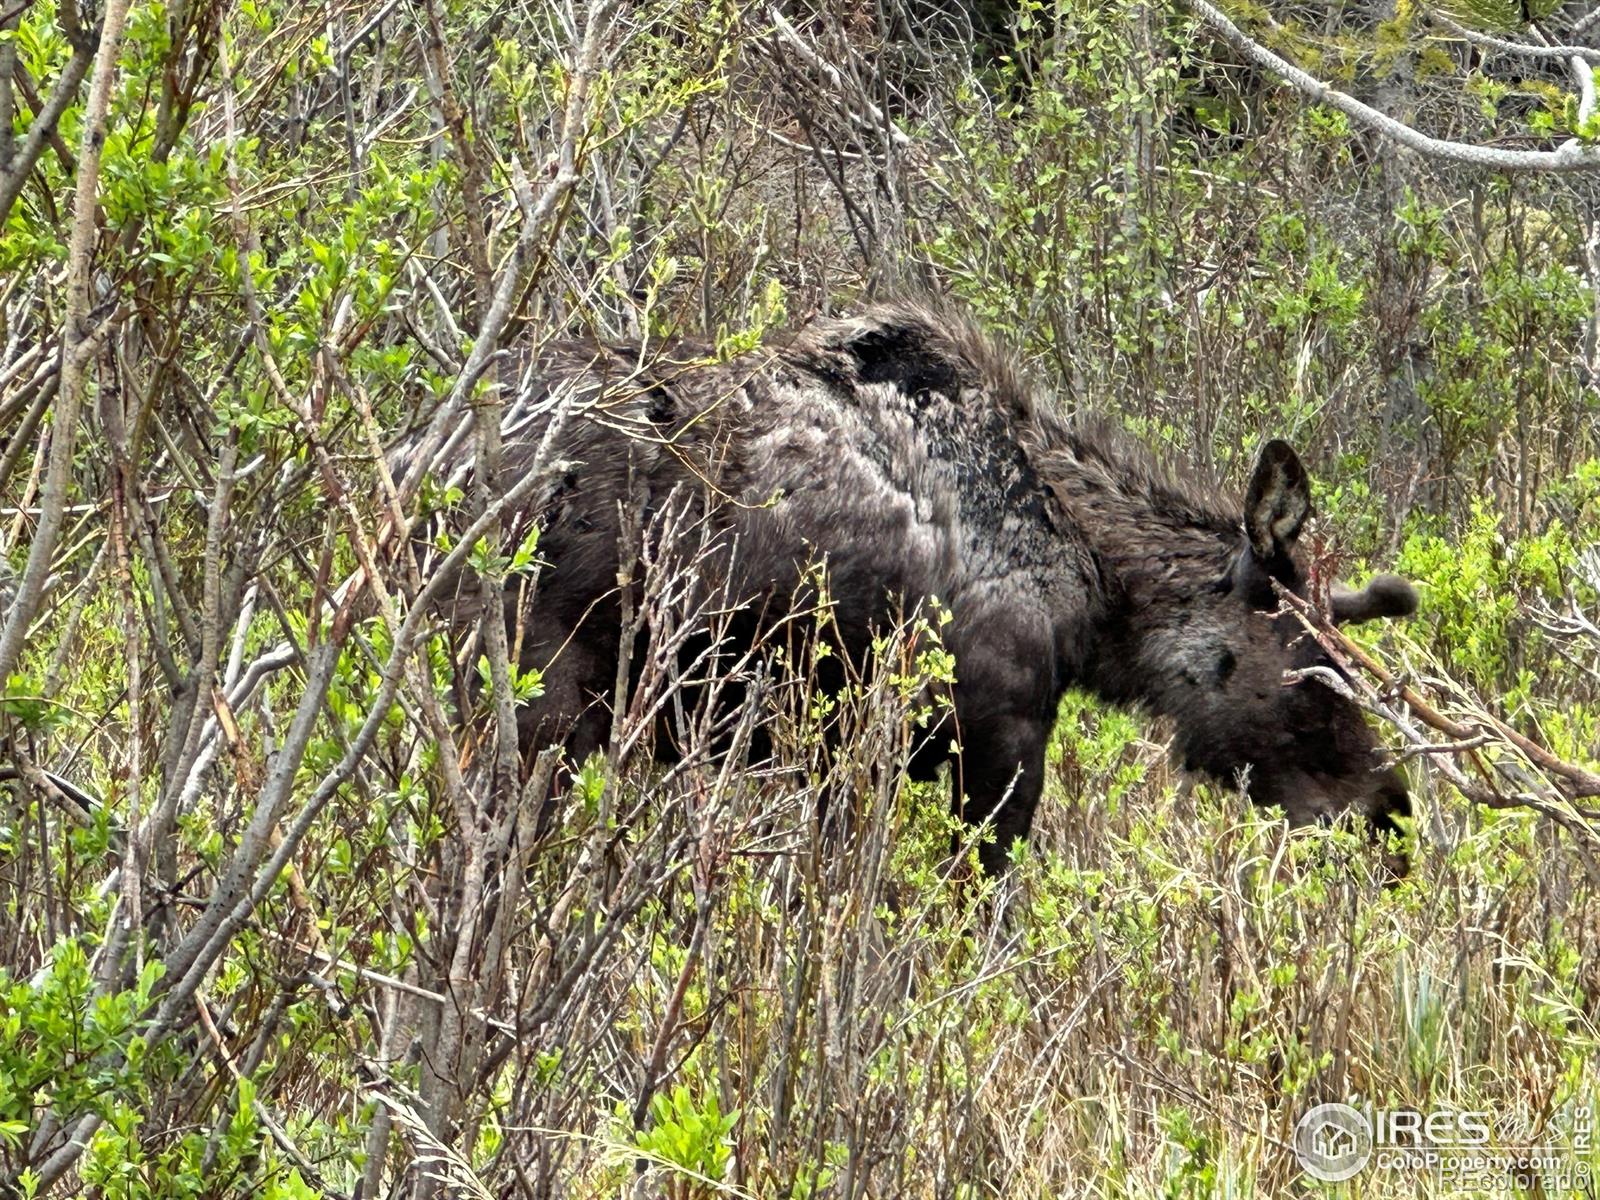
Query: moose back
(900, 448)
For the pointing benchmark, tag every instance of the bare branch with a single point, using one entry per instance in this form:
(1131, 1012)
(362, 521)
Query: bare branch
(1523, 49)
(77, 336)
(1571, 155)
(871, 114)
(565, 177)
(14, 172)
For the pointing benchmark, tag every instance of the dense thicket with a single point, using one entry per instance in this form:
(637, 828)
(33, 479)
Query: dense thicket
(284, 911)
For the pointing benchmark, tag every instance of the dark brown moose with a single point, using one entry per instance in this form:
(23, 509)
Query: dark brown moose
(903, 450)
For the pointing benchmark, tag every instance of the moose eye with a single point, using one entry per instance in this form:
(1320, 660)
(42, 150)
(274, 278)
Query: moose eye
(1224, 667)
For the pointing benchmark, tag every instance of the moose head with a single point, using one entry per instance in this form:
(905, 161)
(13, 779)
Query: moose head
(1255, 698)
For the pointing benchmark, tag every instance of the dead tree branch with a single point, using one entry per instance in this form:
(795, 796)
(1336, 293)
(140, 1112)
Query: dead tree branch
(1571, 155)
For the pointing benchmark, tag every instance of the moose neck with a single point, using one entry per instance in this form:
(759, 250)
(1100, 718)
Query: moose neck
(1159, 545)
(1150, 617)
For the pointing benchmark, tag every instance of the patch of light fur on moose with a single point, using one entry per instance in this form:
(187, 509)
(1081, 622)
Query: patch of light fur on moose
(905, 450)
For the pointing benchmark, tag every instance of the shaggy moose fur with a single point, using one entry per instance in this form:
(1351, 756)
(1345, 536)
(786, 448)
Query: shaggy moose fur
(903, 450)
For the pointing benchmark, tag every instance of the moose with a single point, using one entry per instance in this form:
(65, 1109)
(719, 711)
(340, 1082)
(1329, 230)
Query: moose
(903, 449)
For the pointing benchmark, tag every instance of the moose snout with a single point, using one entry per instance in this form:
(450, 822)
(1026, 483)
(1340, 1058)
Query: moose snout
(1381, 798)
(1391, 805)
(1393, 801)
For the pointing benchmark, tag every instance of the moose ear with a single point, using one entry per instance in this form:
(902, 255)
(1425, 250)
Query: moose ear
(1384, 596)
(1277, 503)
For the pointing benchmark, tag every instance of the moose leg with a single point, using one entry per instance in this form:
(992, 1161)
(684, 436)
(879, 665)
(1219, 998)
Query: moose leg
(1001, 772)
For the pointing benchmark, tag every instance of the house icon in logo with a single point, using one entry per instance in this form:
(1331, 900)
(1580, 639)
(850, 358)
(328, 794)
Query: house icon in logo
(1332, 1142)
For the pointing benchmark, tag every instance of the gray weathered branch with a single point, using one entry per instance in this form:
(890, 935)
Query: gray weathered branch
(77, 337)
(1571, 155)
